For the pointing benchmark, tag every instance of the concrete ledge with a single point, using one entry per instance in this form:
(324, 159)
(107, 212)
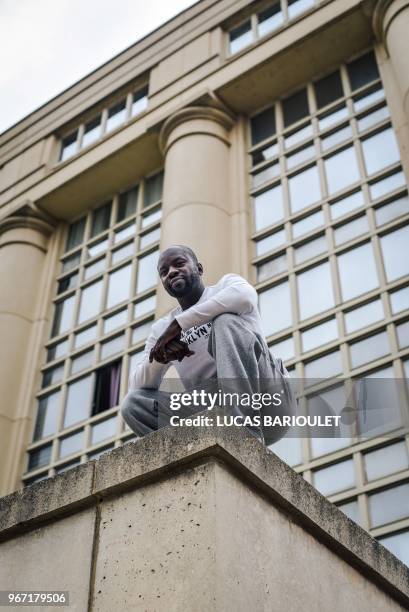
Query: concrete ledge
(171, 451)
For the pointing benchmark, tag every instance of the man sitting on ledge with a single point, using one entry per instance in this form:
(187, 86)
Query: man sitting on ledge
(215, 334)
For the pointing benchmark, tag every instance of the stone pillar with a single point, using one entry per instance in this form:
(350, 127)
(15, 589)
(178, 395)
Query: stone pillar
(23, 246)
(391, 26)
(196, 206)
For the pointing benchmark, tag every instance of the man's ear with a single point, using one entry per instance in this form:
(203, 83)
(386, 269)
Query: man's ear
(200, 268)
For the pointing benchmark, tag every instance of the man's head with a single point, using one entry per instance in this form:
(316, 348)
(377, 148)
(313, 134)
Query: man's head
(179, 271)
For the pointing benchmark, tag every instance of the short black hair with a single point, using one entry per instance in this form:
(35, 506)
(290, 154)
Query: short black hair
(187, 250)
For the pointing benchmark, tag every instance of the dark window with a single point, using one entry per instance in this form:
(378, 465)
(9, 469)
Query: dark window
(363, 70)
(328, 89)
(263, 125)
(100, 219)
(153, 189)
(295, 107)
(75, 234)
(69, 146)
(127, 204)
(106, 392)
(68, 282)
(39, 457)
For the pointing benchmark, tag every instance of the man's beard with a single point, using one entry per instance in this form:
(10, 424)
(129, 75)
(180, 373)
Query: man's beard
(185, 287)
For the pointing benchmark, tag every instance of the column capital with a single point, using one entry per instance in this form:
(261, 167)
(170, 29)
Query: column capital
(28, 216)
(219, 117)
(385, 11)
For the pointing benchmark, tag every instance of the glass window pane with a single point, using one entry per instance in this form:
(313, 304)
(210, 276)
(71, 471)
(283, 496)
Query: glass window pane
(63, 314)
(308, 224)
(92, 131)
(100, 219)
(47, 415)
(357, 271)
(368, 120)
(68, 282)
(304, 189)
(300, 156)
(263, 125)
(147, 272)
(139, 101)
(145, 306)
(268, 207)
(363, 316)
(328, 89)
(334, 478)
(271, 268)
(349, 231)
(298, 136)
(364, 100)
(324, 367)
(79, 395)
(315, 290)
(153, 189)
(119, 285)
(284, 349)
(288, 449)
(116, 320)
(310, 249)
(69, 146)
(94, 268)
(347, 204)
(398, 544)
(90, 304)
(295, 107)
(380, 151)
(125, 232)
(275, 308)
(113, 346)
(135, 358)
(267, 174)
(152, 217)
(326, 120)
(369, 349)
(335, 400)
(39, 457)
(296, 7)
(84, 336)
(270, 19)
(116, 115)
(392, 210)
(386, 460)
(53, 375)
(149, 238)
(319, 335)
(72, 444)
(351, 509)
(240, 37)
(71, 262)
(264, 154)
(75, 234)
(402, 331)
(96, 248)
(393, 246)
(103, 430)
(57, 350)
(399, 300)
(386, 185)
(363, 70)
(341, 169)
(336, 137)
(82, 362)
(141, 332)
(270, 242)
(127, 203)
(390, 505)
(126, 251)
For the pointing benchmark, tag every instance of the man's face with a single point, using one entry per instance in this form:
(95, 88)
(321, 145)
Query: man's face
(178, 272)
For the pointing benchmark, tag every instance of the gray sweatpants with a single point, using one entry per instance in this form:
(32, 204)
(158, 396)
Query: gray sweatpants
(239, 353)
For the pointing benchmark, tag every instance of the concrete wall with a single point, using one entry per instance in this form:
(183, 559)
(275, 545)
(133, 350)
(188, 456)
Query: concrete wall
(193, 520)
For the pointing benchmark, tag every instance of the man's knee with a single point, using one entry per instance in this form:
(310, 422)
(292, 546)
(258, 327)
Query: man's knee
(226, 319)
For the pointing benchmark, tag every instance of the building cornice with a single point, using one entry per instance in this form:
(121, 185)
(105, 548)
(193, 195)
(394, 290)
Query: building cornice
(28, 216)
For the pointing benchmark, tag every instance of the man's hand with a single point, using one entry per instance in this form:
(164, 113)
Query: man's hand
(169, 347)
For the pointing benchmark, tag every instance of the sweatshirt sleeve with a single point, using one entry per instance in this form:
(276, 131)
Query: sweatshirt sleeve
(147, 375)
(235, 295)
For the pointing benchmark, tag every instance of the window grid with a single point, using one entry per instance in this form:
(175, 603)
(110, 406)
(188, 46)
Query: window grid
(145, 206)
(75, 140)
(328, 220)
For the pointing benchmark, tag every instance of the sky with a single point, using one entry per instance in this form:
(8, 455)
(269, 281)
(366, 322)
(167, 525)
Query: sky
(47, 45)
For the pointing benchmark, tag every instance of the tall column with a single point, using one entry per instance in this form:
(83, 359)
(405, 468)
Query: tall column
(23, 246)
(196, 204)
(391, 26)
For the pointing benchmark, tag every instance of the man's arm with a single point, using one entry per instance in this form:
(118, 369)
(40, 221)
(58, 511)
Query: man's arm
(236, 295)
(147, 375)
